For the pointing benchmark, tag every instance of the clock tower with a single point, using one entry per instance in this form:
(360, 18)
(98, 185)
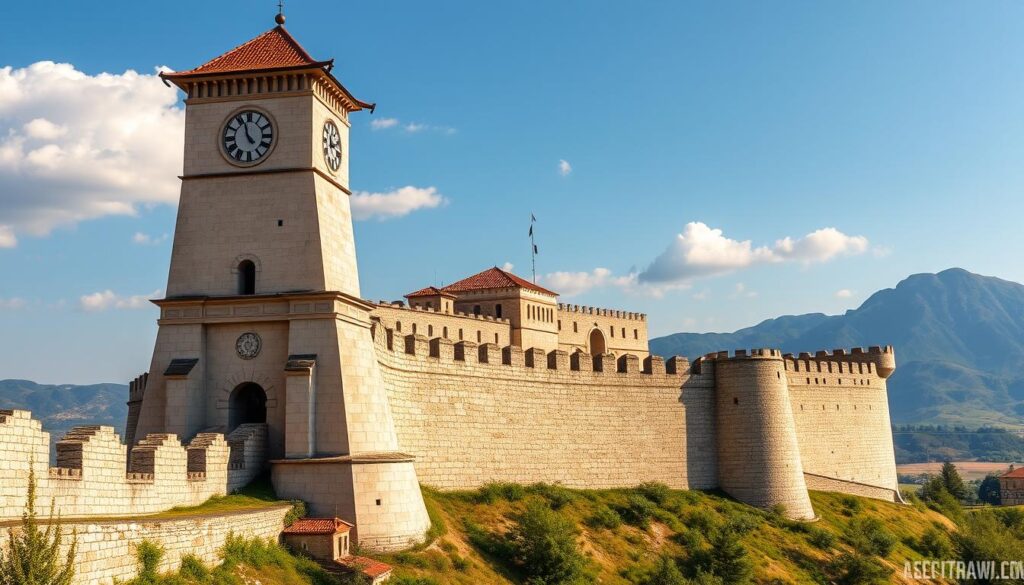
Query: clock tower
(263, 331)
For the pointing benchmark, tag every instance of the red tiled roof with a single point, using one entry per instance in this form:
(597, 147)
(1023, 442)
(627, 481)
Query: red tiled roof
(274, 49)
(368, 567)
(430, 291)
(1019, 472)
(494, 278)
(318, 526)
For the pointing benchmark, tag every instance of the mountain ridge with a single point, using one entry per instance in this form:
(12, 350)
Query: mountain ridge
(959, 340)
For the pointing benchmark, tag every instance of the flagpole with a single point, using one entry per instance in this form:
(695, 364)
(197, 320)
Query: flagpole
(533, 250)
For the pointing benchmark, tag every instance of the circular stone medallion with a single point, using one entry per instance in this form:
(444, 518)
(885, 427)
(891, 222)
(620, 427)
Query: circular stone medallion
(248, 345)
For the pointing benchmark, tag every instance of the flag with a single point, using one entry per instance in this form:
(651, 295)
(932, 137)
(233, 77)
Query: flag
(532, 218)
(535, 248)
(531, 231)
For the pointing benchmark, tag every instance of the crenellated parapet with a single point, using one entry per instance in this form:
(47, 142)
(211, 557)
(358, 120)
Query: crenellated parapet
(89, 477)
(529, 362)
(601, 312)
(875, 361)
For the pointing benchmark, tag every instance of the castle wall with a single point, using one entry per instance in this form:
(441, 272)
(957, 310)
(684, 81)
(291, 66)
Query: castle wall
(89, 478)
(107, 550)
(459, 326)
(841, 411)
(534, 417)
(624, 332)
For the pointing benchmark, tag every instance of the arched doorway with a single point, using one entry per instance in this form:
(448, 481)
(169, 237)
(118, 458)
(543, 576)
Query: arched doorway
(247, 404)
(597, 346)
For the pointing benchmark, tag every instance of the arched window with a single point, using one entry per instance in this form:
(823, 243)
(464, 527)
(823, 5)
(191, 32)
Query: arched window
(478, 337)
(398, 326)
(497, 310)
(445, 333)
(246, 277)
(495, 338)
(430, 330)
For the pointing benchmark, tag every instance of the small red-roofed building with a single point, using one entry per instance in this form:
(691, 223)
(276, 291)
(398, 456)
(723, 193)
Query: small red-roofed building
(327, 541)
(1011, 487)
(320, 538)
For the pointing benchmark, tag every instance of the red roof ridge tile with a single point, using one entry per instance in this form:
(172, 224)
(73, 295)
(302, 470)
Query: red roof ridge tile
(273, 49)
(318, 526)
(495, 278)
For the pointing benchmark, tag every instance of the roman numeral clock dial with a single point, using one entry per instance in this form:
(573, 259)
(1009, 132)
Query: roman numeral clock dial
(248, 137)
(332, 146)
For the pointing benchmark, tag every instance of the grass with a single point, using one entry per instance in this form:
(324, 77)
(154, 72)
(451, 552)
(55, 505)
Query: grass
(625, 533)
(257, 495)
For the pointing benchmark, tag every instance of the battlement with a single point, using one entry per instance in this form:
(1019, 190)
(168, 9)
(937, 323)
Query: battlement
(615, 313)
(89, 478)
(533, 361)
(401, 306)
(741, 354)
(877, 360)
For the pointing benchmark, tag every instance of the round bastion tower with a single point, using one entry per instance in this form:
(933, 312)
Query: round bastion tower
(758, 455)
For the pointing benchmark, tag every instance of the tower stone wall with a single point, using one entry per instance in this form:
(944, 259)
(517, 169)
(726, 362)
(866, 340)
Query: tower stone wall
(758, 449)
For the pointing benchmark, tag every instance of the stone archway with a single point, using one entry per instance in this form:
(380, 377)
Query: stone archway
(247, 404)
(597, 345)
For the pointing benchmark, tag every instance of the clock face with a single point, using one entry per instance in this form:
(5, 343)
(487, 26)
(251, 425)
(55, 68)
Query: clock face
(248, 345)
(248, 136)
(332, 145)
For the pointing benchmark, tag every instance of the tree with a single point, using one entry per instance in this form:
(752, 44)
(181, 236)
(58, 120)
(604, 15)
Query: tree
(729, 559)
(952, 481)
(33, 555)
(666, 573)
(544, 545)
(988, 491)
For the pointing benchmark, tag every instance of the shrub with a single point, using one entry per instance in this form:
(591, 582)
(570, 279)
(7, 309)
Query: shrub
(742, 523)
(851, 505)
(556, 495)
(637, 511)
(658, 493)
(702, 519)
(665, 573)
(298, 511)
(543, 543)
(869, 536)
(858, 569)
(604, 517)
(33, 555)
(494, 491)
(460, 562)
(193, 569)
(149, 555)
(934, 544)
(821, 538)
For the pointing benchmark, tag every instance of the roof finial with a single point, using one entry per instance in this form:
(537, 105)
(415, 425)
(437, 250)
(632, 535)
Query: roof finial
(279, 19)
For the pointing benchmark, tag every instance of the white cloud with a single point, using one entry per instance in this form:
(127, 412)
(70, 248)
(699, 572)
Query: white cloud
(701, 251)
(701, 296)
(844, 293)
(75, 146)
(394, 203)
(820, 246)
(12, 304)
(508, 266)
(564, 168)
(108, 299)
(409, 127)
(383, 123)
(144, 239)
(570, 284)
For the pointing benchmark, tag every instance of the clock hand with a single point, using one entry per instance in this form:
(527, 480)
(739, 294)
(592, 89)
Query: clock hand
(249, 136)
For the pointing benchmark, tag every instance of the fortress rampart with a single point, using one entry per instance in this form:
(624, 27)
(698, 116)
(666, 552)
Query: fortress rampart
(90, 480)
(471, 414)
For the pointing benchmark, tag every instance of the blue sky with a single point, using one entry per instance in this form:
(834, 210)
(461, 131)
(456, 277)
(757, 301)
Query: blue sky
(899, 125)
